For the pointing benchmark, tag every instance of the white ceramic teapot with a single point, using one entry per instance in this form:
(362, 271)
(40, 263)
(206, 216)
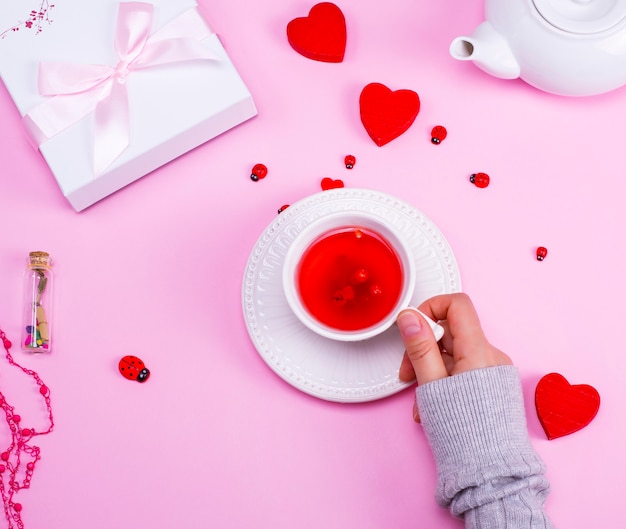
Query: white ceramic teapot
(567, 47)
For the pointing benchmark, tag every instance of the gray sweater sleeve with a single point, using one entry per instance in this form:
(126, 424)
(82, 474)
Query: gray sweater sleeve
(488, 472)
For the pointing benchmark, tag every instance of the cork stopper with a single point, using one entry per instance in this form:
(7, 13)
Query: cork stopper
(39, 260)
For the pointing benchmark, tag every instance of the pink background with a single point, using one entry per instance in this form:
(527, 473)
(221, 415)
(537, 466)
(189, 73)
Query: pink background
(215, 438)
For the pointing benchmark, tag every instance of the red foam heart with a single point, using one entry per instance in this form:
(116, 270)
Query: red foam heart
(386, 114)
(321, 35)
(563, 408)
(329, 183)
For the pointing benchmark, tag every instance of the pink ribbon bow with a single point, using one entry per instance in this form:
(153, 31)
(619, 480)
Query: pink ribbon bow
(78, 90)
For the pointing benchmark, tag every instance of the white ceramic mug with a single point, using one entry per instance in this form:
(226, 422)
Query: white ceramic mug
(332, 223)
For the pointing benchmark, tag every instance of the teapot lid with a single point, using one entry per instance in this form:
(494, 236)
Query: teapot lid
(582, 16)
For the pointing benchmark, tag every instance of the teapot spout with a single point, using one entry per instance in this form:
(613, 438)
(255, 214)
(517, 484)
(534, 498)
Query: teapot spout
(489, 50)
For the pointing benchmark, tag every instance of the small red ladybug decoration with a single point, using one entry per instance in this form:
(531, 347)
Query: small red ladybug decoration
(480, 179)
(133, 368)
(283, 208)
(542, 252)
(438, 134)
(349, 161)
(259, 171)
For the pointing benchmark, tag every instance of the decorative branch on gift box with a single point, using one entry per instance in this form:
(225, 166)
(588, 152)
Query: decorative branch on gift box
(36, 20)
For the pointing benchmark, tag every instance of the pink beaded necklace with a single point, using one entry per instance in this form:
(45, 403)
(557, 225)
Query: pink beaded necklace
(18, 460)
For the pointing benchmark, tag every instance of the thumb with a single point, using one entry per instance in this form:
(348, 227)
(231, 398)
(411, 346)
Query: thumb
(421, 347)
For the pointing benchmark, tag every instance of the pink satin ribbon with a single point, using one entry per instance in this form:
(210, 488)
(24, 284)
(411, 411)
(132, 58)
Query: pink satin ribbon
(78, 90)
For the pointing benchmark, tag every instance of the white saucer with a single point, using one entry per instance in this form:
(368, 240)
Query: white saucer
(329, 369)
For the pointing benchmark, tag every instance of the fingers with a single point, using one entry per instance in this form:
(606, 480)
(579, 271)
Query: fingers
(421, 348)
(459, 313)
(416, 412)
(407, 373)
(464, 340)
(464, 334)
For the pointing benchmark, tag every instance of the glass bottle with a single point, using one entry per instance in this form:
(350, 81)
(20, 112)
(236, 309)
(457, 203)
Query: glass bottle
(36, 328)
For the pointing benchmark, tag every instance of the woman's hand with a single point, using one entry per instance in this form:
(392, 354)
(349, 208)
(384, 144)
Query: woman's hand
(463, 347)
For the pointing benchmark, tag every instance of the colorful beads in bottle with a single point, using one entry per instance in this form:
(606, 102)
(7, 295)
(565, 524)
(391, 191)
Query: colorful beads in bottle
(36, 328)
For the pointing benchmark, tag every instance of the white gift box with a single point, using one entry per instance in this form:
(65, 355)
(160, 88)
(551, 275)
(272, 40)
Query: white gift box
(140, 85)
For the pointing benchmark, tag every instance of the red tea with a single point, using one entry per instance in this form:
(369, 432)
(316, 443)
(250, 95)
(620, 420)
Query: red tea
(350, 278)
